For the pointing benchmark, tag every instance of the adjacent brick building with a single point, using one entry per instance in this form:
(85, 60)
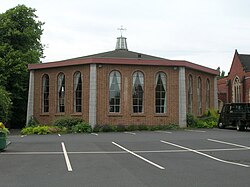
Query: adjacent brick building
(236, 86)
(121, 87)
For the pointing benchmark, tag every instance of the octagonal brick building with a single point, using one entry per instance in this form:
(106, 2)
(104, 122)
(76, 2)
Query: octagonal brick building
(121, 87)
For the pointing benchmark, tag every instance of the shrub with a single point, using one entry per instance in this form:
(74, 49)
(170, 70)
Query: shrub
(56, 129)
(108, 128)
(43, 129)
(208, 120)
(67, 122)
(121, 128)
(105, 128)
(81, 127)
(97, 128)
(163, 127)
(32, 122)
(132, 127)
(143, 127)
(27, 130)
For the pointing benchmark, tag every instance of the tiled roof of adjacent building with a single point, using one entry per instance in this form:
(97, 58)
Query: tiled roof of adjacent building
(245, 61)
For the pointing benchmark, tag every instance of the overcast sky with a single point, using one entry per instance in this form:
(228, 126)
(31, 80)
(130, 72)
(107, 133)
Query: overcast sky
(204, 32)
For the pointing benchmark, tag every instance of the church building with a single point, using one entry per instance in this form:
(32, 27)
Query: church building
(236, 86)
(121, 87)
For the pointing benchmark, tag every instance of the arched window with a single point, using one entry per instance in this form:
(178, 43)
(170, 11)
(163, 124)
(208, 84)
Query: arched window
(207, 94)
(77, 92)
(199, 96)
(236, 90)
(61, 93)
(45, 93)
(114, 91)
(138, 87)
(190, 94)
(160, 93)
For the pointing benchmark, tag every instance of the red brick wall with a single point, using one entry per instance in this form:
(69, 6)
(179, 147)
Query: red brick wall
(204, 77)
(126, 116)
(47, 118)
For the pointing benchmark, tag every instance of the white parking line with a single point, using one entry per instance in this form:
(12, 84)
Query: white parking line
(167, 132)
(119, 152)
(132, 133)
(66, 157)
(94, 134)
(194, 130)
(228, 143)
(138, 156)
(206, 155)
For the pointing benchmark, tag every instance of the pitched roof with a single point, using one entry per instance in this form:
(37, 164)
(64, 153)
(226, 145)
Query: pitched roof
(123, 57)
(245, 61)
(122, 54)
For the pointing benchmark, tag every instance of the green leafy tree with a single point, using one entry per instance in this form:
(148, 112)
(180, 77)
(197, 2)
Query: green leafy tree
(20, 45)
(5, 105)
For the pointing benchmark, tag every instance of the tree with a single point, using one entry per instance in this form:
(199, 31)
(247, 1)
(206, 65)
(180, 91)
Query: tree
(5, 105)
(20, 45)
(222, 73)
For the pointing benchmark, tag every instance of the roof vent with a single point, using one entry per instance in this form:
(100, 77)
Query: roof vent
(121, 43)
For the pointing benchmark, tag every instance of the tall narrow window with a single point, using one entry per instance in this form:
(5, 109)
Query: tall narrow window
(207, 94)
(190, 94)
(199, 96)
(45, 94)
(61, 93)
(114, 91)
(160, 93)
(138, 86)
(236, 90)
(77, 92)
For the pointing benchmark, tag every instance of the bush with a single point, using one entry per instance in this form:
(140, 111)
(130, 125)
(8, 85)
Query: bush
(43, 129)
(121, 128)
(32, 122)
(81, 127)
(208, 120)
(56, 129)
(132, 127)
(27, 130)
(108, 128)
(67, 122)
(143, 127)
(163, 127)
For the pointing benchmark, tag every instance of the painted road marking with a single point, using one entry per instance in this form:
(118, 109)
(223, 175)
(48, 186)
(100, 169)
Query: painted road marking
(206, 155)
(23, 136)
(94, 134)
(132, 133)
(167, 132)
(138, 156)
(194, 130)
(228, 143)
(66, 157)
(118, 152)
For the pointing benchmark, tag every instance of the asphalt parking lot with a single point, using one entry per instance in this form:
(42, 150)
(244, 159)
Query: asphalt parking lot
(207, 157)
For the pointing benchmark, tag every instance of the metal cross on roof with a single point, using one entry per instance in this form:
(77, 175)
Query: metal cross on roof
(121, 29)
